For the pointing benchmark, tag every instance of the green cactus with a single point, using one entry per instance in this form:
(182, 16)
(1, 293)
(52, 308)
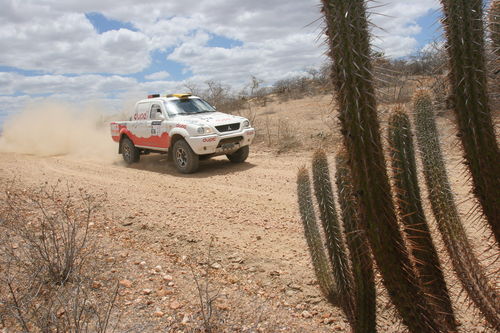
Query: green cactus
(468, 76)
(361, 260)
(333, 233)
(494, 26)
(313, 238)
(348, 40)
(351, 289)
(412, 215)
(465, 263)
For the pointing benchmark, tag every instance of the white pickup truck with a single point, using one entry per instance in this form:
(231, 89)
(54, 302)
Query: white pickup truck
(184, 126)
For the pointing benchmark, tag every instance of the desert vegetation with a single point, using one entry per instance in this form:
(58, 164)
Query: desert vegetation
(388, 243)
(395, 224)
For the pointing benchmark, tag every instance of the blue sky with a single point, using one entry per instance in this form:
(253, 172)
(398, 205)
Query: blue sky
(111, 52)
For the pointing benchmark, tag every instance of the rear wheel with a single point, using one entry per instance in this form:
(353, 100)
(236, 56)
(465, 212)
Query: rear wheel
(240, 155)
(185, 160)
(129, 152)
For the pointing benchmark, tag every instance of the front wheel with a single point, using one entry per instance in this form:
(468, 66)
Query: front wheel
(129, 152)
(240, 155)
(186, 161)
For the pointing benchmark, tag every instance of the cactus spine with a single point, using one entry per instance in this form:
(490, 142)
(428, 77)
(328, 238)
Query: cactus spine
(347, 31)
(412, 215)
(494, 26)
(313, 237)
(361, 261)
(334, 241)
(465, 42)
(465, 264)
(349, 285)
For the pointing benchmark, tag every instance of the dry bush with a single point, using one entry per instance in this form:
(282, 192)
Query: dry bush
(214, 314)
(280, 134)
(46, 244)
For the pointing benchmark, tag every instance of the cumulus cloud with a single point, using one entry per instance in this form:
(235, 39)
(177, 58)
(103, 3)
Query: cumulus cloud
(72, 60)
(157, 76)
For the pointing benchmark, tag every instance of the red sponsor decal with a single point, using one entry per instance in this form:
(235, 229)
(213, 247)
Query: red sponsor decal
(140, 116)
(250, 133)
(209, 139)
(181, 126)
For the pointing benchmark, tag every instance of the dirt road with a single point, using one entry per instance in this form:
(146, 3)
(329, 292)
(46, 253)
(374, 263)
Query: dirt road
(154, 216)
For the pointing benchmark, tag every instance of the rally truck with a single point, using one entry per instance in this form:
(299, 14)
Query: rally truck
(185, 127)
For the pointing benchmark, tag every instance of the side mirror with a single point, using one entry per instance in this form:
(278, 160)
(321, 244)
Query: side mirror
(160, 115)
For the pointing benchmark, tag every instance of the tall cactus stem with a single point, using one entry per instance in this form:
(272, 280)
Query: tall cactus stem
(412, 215)
(361, 260)
(335, 243)
(465, 263)
(468, 76)
(348, 40)
(313, 237)
(494, 26)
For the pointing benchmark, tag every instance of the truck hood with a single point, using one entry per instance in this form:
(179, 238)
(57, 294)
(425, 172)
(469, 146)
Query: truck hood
(211, 118)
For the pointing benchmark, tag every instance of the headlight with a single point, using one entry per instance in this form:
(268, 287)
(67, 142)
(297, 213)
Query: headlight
(204, 130)
(246, 124)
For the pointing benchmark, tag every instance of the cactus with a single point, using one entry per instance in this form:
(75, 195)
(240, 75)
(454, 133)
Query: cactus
(361, 261)
(412, 215)
(465, 264)
(465, 43)
(494, 26)
(313, 237)
(334, 241)
(353, 288)
(348, 40)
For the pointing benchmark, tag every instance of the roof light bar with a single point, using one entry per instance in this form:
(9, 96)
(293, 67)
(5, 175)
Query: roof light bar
(179, 95)
(153, 95)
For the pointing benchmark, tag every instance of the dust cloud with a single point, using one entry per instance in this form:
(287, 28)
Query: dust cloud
(54, 129)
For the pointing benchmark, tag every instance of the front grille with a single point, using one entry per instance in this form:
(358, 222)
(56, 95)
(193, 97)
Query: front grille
(236, 139)
(228, 127)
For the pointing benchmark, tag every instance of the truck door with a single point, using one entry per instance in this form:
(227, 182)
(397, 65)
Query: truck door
(157, 124)
(139, 128)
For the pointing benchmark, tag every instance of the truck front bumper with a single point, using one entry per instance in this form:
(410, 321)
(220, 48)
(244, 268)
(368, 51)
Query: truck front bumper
(221, 144)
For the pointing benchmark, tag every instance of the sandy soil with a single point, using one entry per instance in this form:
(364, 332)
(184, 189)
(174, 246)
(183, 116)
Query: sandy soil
(154, 216)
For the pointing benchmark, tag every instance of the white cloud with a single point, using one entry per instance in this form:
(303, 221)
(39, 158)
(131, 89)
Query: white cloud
(68, 43)
(157, 76)
(277, 39)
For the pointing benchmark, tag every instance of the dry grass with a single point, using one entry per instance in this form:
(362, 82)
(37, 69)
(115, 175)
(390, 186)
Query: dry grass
(45, 258)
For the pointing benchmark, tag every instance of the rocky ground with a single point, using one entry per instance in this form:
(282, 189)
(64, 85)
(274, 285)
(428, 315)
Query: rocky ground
(235, 227)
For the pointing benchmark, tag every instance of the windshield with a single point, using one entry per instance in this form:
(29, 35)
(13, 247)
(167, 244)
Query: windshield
(187, 106)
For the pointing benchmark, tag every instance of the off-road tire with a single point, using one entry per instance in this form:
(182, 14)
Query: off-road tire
(240, 155)
(130, 153)
(185, 160)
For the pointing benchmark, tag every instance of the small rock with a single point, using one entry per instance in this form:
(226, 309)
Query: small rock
(142, 264)
(237, 260)
(328, 321)
(158, 268)
(167, 277)
(96, 285)
(158, 314)
(146, 291)
(216, 266)
(127, 223)
(259, 237)
(174, 305)
(294, 286)
(185, 320)
(306, 314)
(126, 283)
